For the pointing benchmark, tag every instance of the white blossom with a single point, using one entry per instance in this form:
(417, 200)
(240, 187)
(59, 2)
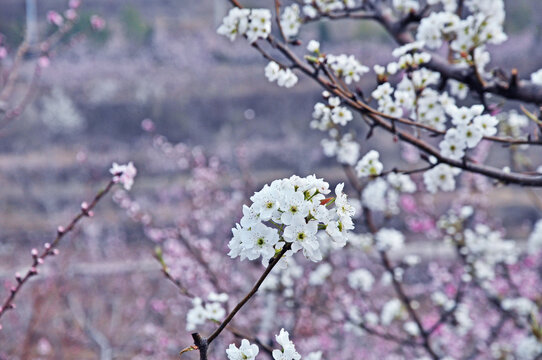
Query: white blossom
(313, 46)
(369, 165)
(288, 351)
(290, 21)
(387, 239)
(283, 77)
(536, 77)
(361, 279)
(440, 177)
(291, 211)
(347, 67)
(124, 174)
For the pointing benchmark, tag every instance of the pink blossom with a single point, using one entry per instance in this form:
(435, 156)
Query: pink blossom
(55, 18)
(74, 4)
(408, 203)
(44, 62)
(97, 22)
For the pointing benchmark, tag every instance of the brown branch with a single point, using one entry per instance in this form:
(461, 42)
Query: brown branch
(50, 248)
(203, 343)
(277, 18)
(405, 299)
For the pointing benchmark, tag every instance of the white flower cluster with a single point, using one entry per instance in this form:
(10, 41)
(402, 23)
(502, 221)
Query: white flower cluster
(291, 211)
(212, 309)
(283, 278)
(254, 23)
(325, 116)
(485, 248)
(440, 177)
(458, 89)
(361, 279)
(463, 322)
(288, 351)
(283, 77)
(471, 126)
(522, 306)
(320, 274)
(483, 26)
(387, 239)
(536, 77)
(410, 56)
(430, 108)
(442, 300)
(514, 124)
(346, 67)
(346, 148)
(124, 174)
(248, 352)
(426, 107)
(528, 348)
(481, 247)
(290, 21)
(245, 352)
(383, 194)
(313, 7)
(369, 165)
(392, 310)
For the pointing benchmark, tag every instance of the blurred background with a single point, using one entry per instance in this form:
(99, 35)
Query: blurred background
(159, 60)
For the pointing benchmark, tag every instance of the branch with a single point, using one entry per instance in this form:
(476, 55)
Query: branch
(50, 249)
(203, 343)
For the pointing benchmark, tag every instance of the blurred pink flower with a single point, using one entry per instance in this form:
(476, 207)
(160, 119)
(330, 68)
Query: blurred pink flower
(97, 22)
(147, 125)
(74, 4)
(408, 203)
(44, 62)
(70, 14)
(55, 18)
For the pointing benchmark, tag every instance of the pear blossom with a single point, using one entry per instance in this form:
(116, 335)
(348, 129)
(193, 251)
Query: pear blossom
(341, 115)
(291, 211)
(200, 312)
(246, 351)
(313, 46)
(361, 279)
(389, 239)
(290, 20)
(254, 23)
(288, 351)
(440, 177)
(536, 77)
(369, 165)
(347, 67)
(391, 310)
(283, 77)
(472, 134)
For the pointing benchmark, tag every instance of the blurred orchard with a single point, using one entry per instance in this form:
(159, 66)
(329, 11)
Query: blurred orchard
(293, 179)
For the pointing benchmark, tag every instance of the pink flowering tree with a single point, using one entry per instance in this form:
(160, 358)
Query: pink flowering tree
(13, 101)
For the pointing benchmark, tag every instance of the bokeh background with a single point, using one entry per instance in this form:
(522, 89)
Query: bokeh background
(161, 60)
